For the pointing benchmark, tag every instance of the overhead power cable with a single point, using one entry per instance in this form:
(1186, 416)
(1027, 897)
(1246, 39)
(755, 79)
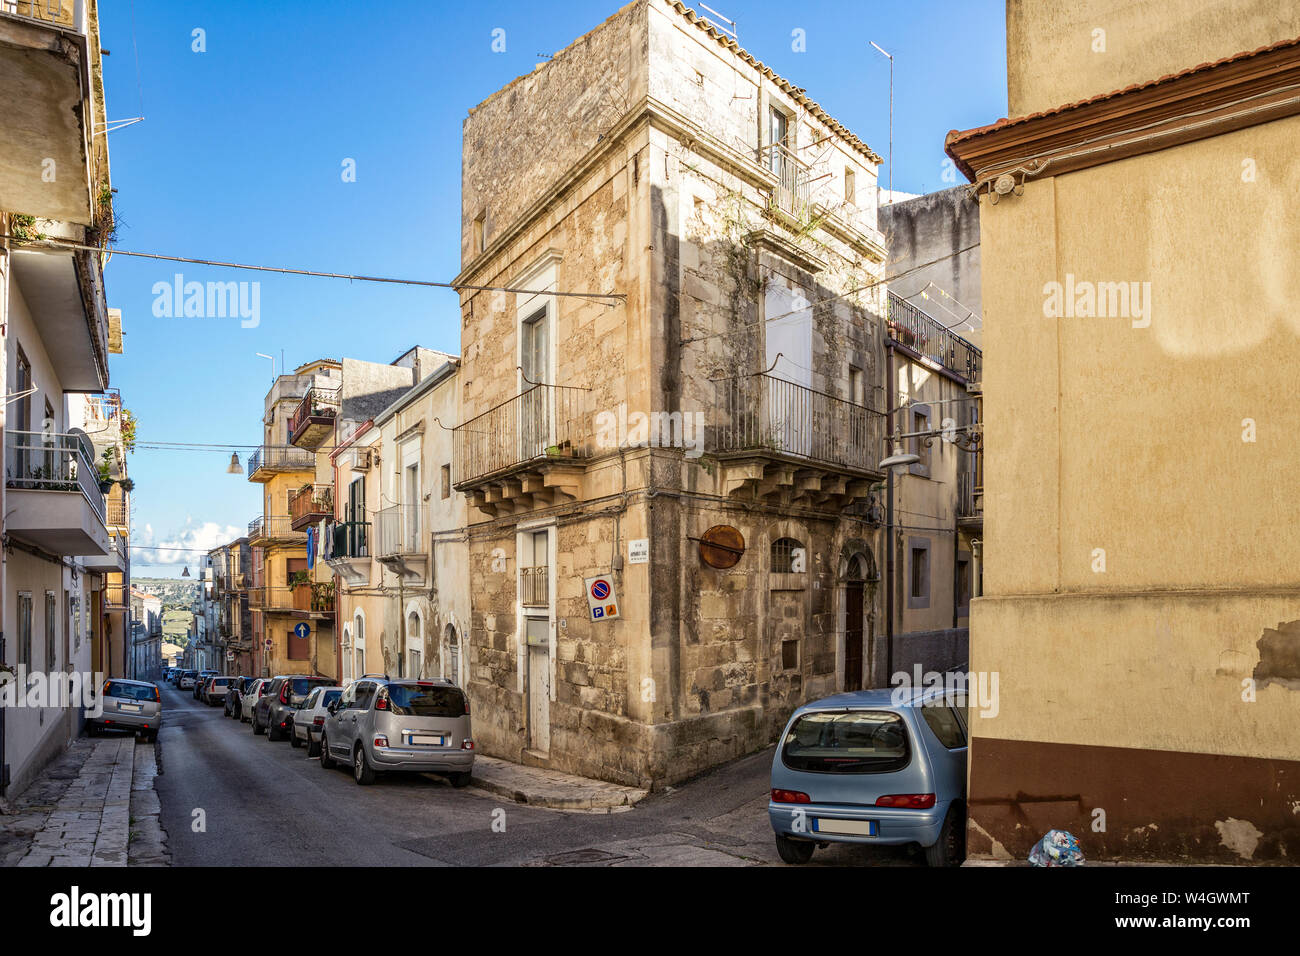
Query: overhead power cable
(62, 243)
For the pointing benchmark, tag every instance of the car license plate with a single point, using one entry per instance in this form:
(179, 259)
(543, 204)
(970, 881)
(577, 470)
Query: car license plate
(135, 707)
(846, 827)
(427, 739)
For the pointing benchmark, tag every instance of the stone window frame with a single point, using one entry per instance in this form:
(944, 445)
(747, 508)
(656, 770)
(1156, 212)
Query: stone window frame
(918, 543)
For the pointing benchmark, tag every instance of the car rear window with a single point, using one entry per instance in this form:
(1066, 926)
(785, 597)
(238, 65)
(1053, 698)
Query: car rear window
(303, 685)
(426, 700)
(130, 691)
(220, 681)
(859, 741)
(329, 697)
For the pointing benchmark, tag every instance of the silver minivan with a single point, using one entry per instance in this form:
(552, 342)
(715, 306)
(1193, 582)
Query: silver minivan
(129, 705)
(418, 726)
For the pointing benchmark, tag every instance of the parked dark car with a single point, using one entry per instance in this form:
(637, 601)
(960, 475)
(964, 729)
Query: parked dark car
(200, 681)
(275, 709)
(235, 695)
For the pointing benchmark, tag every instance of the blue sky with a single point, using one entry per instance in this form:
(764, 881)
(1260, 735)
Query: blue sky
(240, 157)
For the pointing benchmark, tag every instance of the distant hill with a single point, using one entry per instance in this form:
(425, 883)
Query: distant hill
(174, 592)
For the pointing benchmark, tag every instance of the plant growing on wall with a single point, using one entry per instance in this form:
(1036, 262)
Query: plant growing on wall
(129, 423)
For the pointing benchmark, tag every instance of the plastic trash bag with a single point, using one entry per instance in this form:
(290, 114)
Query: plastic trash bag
(1056, 848)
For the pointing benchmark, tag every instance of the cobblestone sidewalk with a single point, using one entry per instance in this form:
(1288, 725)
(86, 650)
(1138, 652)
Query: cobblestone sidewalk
(89, 809)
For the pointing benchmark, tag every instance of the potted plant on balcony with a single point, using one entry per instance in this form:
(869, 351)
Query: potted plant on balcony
(105, 472)
(300, 582)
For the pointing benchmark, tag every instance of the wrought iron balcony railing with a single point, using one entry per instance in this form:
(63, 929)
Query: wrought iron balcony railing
(48, 461)
(349, 539)
(274, 528)
(271, 458)
(543, 422)
(309, 504)
(68, 14)
(397, 531)
(763, 413)
(320, 406)
(926, 336)
(793, 193)
(309, 598)
(534, 586)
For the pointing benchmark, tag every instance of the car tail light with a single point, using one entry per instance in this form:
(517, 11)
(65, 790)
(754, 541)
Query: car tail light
(790, 796)
(318, 722)
(467, 744)
(381, 702)
(381, 740)
(284, 694)
(907, 801)
(156, 695)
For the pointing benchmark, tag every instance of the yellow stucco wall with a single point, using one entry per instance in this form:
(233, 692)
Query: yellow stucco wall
(1102, 435)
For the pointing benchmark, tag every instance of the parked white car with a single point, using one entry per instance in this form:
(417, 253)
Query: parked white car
(310, 718)
(249, 700)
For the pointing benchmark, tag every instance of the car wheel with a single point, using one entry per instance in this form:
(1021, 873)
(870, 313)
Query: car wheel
(271, 729)
(293, 736)
(326, 760)
(257, 730)
(793, 851)
(459, 779)
(313, 748)
(950, 848)
(362, 772)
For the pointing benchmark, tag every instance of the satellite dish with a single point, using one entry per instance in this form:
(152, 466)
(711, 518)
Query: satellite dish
(721, 547)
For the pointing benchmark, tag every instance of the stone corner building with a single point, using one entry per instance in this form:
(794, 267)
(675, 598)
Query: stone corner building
(730, 376)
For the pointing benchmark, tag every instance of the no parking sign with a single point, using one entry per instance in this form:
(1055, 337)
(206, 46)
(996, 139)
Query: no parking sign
(601, 600)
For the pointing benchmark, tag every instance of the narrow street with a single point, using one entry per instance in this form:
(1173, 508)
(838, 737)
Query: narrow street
(266, 804)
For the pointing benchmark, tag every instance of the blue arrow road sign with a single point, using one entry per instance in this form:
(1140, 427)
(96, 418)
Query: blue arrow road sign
(302, 630)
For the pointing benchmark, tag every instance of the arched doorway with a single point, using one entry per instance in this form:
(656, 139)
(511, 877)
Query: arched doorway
(855, 584)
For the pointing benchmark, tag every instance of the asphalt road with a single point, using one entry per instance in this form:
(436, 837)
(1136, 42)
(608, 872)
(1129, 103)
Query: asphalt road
(267, 804)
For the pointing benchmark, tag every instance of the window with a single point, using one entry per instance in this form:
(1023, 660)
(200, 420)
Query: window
(918, 575)
(789, 655)
(943, 721)
(453, 655)
(779, 128)
(51, 629)
(359, 644)
(854, 742)
(414, 645)
(789, 562)
(920, 445)
(446, 481)
(25, 629)
(857, 386)
(479, 235)
(850, 186)
(533, 349)
(963, 583)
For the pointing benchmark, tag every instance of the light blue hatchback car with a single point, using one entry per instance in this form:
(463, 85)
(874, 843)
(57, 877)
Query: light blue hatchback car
(859, 768)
